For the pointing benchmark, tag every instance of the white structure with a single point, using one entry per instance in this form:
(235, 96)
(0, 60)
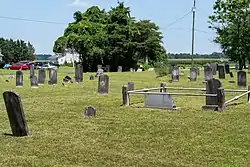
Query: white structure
(65, 58)
(1, 56)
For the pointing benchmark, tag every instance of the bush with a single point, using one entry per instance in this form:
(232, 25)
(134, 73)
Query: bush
(162, 69)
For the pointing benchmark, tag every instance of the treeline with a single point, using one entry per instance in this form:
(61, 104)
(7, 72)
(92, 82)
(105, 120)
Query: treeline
(214, 55)
(16, 50)
(111, 37)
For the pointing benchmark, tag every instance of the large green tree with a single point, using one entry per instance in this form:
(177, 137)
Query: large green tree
(230, 20)
(112, 37)
(15, 51)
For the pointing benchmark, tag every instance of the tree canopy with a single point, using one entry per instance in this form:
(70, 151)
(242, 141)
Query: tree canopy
(15, 51)
(112, 37)
(231, 21)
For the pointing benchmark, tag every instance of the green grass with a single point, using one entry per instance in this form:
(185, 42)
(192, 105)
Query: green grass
(122, 136)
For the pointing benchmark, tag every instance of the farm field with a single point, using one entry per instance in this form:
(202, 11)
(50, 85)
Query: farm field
(123, 136)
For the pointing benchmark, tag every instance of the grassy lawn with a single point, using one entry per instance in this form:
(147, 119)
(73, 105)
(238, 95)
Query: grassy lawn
(123, 136)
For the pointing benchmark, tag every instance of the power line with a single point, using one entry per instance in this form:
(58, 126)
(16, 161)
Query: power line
(31, 20)
(179, 19)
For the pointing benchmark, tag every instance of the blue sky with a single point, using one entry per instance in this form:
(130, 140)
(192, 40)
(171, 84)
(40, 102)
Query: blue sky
(177, 37)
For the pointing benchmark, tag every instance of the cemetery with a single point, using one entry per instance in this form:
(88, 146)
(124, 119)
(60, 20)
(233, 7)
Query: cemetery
(82, 115)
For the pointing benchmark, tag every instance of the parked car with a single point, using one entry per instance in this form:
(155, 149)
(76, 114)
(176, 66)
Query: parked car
(18, 66)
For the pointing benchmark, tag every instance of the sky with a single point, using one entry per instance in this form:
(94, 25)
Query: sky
(165, 13)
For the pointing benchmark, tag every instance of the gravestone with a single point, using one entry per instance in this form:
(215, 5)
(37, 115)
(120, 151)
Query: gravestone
(175, 74)
(103, 84)
(79, 73)
(89, 111)
(33, 82)
(236, 67)
(41, 76)
(52, 77)
(248, 69)
(99, 72)
(162, 101)
(208, 74)
(214, 68)
(212, 87)
(91, 77)
(221, 71)
(227, 68)
(99, 67)
(119, 69)
(32, 70)
(130, 86)
(15, 114)
(242, 79)
(108, 68)
(131, 70)
(193, 74)
(19, 79)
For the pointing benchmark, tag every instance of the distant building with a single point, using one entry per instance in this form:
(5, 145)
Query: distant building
(65, 58)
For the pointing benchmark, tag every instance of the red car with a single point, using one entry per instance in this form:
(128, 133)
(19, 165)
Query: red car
(18, 66)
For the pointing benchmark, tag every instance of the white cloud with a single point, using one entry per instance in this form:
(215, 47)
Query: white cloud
(79, 3)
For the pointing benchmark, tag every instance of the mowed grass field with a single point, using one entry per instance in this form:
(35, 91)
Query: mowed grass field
(123, 136)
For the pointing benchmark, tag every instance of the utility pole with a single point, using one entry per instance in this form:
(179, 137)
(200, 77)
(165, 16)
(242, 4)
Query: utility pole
(192, 55)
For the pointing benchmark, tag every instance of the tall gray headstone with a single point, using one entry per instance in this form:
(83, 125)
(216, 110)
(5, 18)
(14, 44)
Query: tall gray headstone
(227, 68)
(103, 84)
(15, 113)
(242, 79)
(19, 79)
(32, 70)
(175, 74)
(193, 74)
(52, 77)
(130, 86)
(79, 73)
(236, 67)
(108, 68)
(249, 69)
(208, 74)
(33, 82)
(214, 68)
(221, 71)
(212, 87)
(119, 69)
(99, 66)
(41, 76)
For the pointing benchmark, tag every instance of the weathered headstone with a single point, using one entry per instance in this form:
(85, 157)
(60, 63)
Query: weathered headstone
(131, 70)
(227, 68)
(130, 86)
(221, 71)
(119, 69)
(214, 68)
(79, 73)
(236, 67)
(212, 87)
(19, 79)
(108, 68)
(208, 74)
(52, 77)
(99, 72)
(175, 74)
(242, 79)
(33, 82)
(15, 114)
(89, 111)
(193, 74)
(41, 76)
(103, 84)
(99, 67)
(32, 70)
(91, 77)
(249, 69)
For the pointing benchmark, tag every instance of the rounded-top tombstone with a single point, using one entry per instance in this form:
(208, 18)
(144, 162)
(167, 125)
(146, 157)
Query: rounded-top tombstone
(19, 79)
